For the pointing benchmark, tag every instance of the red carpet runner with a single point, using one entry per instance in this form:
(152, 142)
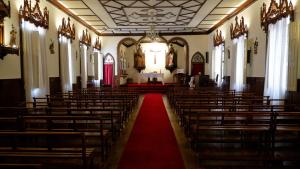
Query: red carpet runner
(152, 143)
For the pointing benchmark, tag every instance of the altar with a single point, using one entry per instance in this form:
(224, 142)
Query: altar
(151, 75)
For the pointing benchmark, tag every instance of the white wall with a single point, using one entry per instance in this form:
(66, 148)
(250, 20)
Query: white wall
(252, 19)
(10, 65)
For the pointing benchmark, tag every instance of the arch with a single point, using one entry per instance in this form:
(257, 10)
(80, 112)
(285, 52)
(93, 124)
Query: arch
(197, 64)
(134, 42)
(175, 39)
(108, 69)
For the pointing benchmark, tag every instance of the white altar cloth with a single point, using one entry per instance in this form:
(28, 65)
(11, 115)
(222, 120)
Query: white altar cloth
(152, 75)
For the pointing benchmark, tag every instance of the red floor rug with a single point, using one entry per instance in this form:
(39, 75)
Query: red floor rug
(152, 143)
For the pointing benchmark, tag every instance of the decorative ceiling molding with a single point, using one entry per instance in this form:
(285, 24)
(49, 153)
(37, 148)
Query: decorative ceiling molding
(130, 18)
(97, 44)
(239, 29)
(86, 38)
(34, 15)
(276, 12)
(66, 30)
(218, 38)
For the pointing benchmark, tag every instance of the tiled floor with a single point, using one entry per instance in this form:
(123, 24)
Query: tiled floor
(117, 150)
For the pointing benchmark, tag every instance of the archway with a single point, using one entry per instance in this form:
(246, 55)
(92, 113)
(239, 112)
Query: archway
(181, 43)
(197, 64)
(108, 70)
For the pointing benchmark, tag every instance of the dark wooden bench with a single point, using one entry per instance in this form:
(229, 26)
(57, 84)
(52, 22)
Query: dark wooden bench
(21, 166)
(236, 138)
(61, 149)
(97, 130)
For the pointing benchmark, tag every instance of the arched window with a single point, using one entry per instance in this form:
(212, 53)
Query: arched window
(198, 63)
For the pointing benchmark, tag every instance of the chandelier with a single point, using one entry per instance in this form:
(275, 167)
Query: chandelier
(152, 34)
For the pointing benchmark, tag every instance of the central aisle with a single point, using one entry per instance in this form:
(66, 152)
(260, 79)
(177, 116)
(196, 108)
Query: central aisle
(152, 143)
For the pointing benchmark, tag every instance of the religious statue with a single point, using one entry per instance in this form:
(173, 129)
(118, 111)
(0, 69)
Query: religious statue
(171, 59)
(123, 63)
(139, 59)
(13, 34)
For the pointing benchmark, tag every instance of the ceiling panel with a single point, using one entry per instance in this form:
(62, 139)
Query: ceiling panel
(222, 11)
(82, 11)
(73, 4)
(90, 18)
(136, 16)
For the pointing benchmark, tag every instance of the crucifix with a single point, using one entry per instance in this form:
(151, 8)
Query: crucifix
(155, 52)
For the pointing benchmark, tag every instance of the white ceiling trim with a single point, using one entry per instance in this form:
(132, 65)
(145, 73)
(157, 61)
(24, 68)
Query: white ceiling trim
(99, 10)
(203, 12)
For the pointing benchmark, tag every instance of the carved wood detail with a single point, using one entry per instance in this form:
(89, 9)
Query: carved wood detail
(97, 44)
(218, 38)
(4, 10)
(65, 29)
(275, 12)
(34, 15)
(86, 38)
(238, 29)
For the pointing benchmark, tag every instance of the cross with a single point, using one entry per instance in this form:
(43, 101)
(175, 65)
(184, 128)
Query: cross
(155, 51)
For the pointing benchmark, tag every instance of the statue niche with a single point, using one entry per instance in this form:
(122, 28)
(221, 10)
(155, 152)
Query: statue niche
(171, 59)
(139, 59)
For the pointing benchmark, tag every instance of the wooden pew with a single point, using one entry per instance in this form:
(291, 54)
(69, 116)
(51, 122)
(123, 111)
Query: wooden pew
(286, 138)
(61, 149)
(231, 138)
(97, 134)
(21, 166)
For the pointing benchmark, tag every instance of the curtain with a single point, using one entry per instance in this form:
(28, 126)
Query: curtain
(233, 63)
(97, 68)
(294, 54)
(35, 61)
(277, 60)
(240, 69)
(66, 64)
(83, 55)
(218, 64)
(108, 74)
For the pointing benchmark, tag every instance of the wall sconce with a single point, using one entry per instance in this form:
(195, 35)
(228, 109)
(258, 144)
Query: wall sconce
(255, 46)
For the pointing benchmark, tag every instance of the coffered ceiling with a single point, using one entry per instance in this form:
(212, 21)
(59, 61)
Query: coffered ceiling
(109, 17)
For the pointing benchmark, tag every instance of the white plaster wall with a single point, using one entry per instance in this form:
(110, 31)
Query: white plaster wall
(10, 65)
(252, 18)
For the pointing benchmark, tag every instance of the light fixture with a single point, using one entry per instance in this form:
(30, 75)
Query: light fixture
(152, 34)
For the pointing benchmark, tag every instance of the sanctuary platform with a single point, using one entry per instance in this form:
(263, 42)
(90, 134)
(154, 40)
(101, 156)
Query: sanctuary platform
(151, 87)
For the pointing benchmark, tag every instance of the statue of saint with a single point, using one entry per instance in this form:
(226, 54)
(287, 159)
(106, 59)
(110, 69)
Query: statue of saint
(123, 62)
(139, 59)
(13, 34)
(171, 59)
